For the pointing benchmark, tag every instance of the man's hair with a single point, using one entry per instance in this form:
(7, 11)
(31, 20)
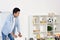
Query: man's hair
(15, 10)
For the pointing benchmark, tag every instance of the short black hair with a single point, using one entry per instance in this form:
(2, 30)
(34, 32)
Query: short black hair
(15, 10)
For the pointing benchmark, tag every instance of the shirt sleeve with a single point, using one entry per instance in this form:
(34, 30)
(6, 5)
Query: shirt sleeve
(18, 25)
(11, 23)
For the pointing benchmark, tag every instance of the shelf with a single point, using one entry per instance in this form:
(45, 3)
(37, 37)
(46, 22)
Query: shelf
(36, 30)
(39, 24)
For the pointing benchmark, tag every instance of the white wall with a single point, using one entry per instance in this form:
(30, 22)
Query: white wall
(30, 7)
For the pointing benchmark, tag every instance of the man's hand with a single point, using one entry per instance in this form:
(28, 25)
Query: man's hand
(14, 35)
(19, 34)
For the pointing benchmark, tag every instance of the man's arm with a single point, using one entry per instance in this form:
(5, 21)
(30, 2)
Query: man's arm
(10, 24)
(18, 28)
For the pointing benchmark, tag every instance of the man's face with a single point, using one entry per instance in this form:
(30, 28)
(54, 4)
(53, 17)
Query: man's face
(16, 14)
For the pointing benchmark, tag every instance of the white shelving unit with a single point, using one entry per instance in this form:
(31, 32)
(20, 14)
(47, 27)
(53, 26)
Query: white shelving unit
(38, 25)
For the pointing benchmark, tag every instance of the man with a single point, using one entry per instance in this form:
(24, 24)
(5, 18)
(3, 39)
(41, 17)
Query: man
(10, 25)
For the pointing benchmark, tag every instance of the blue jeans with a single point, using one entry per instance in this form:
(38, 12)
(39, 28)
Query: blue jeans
(9, 36)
